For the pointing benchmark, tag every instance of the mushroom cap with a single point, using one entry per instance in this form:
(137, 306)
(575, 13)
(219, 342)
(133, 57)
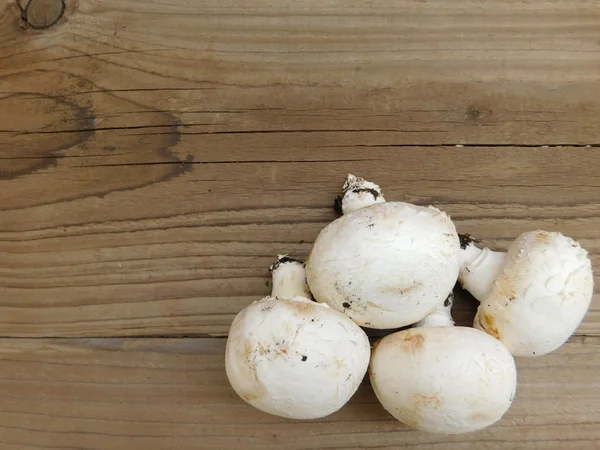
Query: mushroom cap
(295, 358)
(447, 380)
(541, 295)
(387, 265)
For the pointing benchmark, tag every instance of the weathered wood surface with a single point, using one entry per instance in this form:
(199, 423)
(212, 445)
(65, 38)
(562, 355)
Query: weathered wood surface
(156, 156)
(119, 394)
(92, 253)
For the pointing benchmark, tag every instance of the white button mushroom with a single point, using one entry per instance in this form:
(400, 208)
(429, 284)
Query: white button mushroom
(443, 379)
(384, 264)
(534, 296)
(289, 356)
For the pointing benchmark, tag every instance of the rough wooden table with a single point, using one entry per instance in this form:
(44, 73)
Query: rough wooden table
(156, 156)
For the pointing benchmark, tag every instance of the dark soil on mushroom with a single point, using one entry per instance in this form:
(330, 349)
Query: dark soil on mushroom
(337, 205)
(465, 240)
(283, 260)
(371, 191)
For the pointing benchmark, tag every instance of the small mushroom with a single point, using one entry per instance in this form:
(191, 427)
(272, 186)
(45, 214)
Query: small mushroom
(532, 297)
(443, 379)
(383, 264)
(289, 356)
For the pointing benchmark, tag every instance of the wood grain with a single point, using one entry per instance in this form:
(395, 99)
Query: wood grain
(394, 73)
(154, 157)
(112, 394)
(182, 255)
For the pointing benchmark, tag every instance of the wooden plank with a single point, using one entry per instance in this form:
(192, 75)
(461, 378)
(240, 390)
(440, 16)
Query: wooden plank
(155, 157)
(113, 394)
(412, 73)
(138, 249)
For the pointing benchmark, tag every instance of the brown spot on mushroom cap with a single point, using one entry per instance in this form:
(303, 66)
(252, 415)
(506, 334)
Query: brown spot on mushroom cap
(339, 365)
(488, 323)
(544, 236)
(302, 308)
(248, 396)
(421, 401)
(395, 290)
(411, 341)
(504, 287)
(262, 349)
(254, 388)
(280, 349)
(247, 350)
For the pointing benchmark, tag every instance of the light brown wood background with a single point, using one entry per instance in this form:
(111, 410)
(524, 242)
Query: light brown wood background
(156, 156)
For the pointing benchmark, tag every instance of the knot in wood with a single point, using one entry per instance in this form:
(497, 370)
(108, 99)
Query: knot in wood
(477, 113)
(42, 14)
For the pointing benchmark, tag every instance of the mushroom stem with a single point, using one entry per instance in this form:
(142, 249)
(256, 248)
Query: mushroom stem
(289, 279)
(479, 268)
(441, 317)
(358, 193)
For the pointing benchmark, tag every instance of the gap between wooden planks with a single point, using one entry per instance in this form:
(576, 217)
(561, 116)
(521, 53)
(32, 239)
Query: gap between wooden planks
(119, 394)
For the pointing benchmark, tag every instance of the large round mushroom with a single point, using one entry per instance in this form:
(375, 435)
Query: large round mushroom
(532, 297)
(383, 264)
(289, 356)
(443, 379)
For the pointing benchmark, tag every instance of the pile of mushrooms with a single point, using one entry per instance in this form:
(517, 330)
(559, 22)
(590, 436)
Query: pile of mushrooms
(301, 352)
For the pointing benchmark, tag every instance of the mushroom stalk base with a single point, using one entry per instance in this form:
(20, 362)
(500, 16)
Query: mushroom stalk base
(289, 279)
(441, 317)
(358, 193)
(479, 269)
